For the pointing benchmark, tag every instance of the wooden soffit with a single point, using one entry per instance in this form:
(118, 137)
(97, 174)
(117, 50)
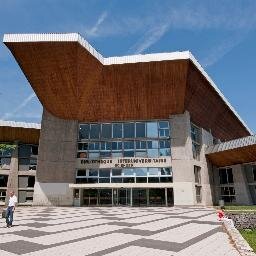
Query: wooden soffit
(23, 135)
(72, 84)
(234, 156)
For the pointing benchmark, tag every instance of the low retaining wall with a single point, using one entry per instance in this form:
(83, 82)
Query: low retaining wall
(243, 220)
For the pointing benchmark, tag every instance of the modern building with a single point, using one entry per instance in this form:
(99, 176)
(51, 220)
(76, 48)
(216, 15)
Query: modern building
(18, 159)
(135, 130)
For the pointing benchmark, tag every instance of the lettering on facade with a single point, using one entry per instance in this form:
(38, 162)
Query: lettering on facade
(125, 162)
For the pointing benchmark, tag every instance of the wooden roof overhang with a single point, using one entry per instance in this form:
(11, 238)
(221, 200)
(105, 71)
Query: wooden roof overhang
(229, 153)
(73, 81)
(20, 134)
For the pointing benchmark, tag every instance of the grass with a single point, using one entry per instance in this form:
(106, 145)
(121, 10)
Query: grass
(237, 208)
(250, 237)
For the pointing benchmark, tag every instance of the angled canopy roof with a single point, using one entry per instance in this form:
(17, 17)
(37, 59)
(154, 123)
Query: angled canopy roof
(242, 150)
(11, 131)
(73, 81)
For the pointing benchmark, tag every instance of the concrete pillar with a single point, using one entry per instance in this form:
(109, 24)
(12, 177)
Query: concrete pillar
(243, 196)
(12, 183)
(56, 161)
(182, 160)
(166, 197)
(131, 201)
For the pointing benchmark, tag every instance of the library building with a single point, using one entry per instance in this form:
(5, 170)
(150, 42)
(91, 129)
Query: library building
(139, 130)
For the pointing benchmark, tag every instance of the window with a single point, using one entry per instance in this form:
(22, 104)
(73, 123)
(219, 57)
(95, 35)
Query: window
(117, 130)
(254, 173)
(196, 141)
(83, 146)
(228, 194)
(140, 130)
(198, 194)
(95, 131)
(164, 129)
(226, 176)
(126, 175)
(106, 131)
(129, 130)
(3, 180)
(81, 173)
(34, 150)
(197, 173)
(152, 131)
(84, 131)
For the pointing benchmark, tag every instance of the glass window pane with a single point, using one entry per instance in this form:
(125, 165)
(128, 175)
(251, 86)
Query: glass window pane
(94, 154)
(155, 144)
(141, 153)
(94, 146)
(141, 179)
(141, 172)
(153, 171)
(93, 172)
(117, 154)
(153, 179)
(116, 180)
(116, 172)
(152, 152)
(128, 180)
(164, 152)
(163, 124)
(129, 153)
(105, 154)
(84, 131)
(82, 146)
(129, 130)
(141, 144)
(165, 171)
(152, 130)
(128, 172)
(106, 131)
(140, 130)
(95, 131)
(81, 173)
(104, 180)
(118, 130)
(128, 144)
(104, 173)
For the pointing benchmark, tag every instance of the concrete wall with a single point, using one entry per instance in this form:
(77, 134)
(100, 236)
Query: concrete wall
(243, 196)
(182, 158)
(56, 161)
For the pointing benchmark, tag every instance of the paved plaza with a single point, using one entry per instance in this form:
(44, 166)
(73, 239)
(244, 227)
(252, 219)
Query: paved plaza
(115, 231)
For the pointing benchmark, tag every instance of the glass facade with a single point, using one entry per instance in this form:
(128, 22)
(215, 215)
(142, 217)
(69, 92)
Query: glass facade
(127, 139)
(126, 175)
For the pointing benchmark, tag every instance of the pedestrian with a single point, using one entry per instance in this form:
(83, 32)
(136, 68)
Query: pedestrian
(10, 209)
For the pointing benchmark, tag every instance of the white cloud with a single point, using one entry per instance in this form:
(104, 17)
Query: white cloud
(19, 107)
(150, 37)
(94, 31)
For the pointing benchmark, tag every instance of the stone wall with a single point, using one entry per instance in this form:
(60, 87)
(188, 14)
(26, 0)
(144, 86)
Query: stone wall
(243, 220)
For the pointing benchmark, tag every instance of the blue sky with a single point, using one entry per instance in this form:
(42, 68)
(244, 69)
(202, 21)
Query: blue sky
(220, 34)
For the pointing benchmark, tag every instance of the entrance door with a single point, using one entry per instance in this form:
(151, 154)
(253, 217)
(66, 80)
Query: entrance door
(90, 197)
(122, 196)
(139, 197)
(105, 196)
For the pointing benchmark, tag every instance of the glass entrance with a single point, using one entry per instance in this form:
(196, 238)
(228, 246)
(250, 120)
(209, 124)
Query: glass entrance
(128, 197)
(122, 196)
(97, 197)
(139, 197)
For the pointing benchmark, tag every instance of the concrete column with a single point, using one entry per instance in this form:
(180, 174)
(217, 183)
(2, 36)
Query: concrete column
(56, 161)
(147, 191)
(12, 183)
(182, 160)
(131, 201)
(243, 196)
(166, 197)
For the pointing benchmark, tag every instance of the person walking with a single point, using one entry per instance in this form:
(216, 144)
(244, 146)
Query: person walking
(10, 209)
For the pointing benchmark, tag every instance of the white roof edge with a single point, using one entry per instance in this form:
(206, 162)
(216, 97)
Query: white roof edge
(75, 37)
(20, 124)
